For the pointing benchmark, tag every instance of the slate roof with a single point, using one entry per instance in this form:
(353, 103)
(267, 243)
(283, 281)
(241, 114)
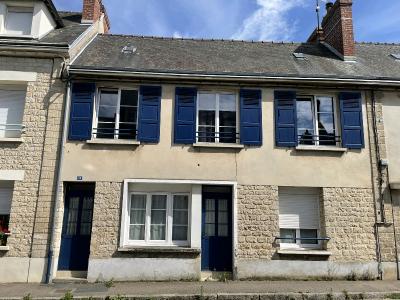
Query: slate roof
(225, 57)
(70, 32)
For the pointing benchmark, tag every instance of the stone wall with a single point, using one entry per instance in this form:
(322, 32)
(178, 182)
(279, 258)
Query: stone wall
(258, 221)
(106, 219)
(349, 222)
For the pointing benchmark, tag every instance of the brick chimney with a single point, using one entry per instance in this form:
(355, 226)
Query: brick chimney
(337, 28)
(94, 10)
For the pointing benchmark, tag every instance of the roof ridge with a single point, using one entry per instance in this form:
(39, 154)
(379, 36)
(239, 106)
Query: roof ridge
(69, 12)
(201, 39)
(378, 43)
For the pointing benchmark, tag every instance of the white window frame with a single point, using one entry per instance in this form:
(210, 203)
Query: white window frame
(117, 117)
(169, 221)
(218, 93)
(298, 243)
(6, 17)
(315, 116)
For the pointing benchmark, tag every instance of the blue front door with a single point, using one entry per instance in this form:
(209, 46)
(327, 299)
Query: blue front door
(77, 228)
(216, 247)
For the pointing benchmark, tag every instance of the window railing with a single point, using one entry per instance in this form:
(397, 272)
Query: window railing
(11, 130)
(111, 133)
(321, 239)
(217, 137)
(321, 139)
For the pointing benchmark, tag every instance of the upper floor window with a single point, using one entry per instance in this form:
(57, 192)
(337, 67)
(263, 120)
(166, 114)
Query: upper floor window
(117, 114)
(18, 20)
(217, 117)
(316, 121)
(12, 102)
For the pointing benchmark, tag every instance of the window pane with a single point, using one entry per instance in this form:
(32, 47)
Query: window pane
(324, 104)
(326, 129)
(128, 115)
(207, 101)
(305, 123)
(223, 230)
(19, 21)
(136, 232)
(288, 236)
(180, 218)
(180, 233)
(309, 233)
(137, 217)
(129, 98)
(227, 102)
(227, 126)
(4, 221)
(158, 217)
(181, 202)
(209, 230)
(206, 134)
(72, 223)
(107, 114)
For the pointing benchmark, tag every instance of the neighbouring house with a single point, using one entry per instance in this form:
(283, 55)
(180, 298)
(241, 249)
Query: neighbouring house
(37, 42)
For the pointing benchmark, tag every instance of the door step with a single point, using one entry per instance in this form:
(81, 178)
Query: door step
(70, 277)
(216, 276)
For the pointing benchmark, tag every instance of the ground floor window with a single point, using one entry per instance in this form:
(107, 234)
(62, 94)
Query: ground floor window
(6, 191)
(159, 218)
(299, 217)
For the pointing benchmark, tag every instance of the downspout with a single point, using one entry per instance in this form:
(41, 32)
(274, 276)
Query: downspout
(50, 262)
(379, 212)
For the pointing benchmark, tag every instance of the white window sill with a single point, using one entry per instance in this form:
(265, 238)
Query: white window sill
(321, 148)
(17, 36)
(4, 248)
(159, 249)
(113, 142)
(304, 252)
(218, 145)
(11, 140)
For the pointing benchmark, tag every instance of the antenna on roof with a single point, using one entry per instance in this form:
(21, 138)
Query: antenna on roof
(317, 9)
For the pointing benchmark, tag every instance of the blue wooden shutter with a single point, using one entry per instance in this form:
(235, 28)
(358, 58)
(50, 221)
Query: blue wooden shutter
(80, 123)
(149, 114)
(185, 115)
(351, 120)
(285, 119)
(250, 117)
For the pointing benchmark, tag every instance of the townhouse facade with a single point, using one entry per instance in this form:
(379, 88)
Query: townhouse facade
(184, 159)
(261, 160)
(36, 44)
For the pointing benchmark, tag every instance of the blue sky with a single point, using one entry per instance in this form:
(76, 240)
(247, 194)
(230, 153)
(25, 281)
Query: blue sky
(278, 20)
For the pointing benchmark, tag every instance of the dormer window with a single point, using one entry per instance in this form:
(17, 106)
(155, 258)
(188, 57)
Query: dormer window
(19, 20)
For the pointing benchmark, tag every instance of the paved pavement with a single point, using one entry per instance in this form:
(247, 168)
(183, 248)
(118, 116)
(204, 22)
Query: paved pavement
(230, 289)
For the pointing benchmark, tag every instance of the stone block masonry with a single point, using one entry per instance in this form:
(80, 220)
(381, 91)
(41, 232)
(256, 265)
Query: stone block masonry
(258, 221)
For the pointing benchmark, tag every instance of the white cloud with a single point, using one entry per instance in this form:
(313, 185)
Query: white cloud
(177, 35)
(269, 21)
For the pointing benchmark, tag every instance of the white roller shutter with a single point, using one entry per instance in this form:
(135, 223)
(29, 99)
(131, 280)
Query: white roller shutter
(299, 208)
(12, 104)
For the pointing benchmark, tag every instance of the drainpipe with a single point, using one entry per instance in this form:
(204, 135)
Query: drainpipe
(57, 202)
(379, 219)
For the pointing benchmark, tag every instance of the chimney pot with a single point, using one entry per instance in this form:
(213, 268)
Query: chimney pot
(328, 6)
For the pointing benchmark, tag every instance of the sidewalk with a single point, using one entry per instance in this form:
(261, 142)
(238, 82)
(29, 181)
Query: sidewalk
(269, 290)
